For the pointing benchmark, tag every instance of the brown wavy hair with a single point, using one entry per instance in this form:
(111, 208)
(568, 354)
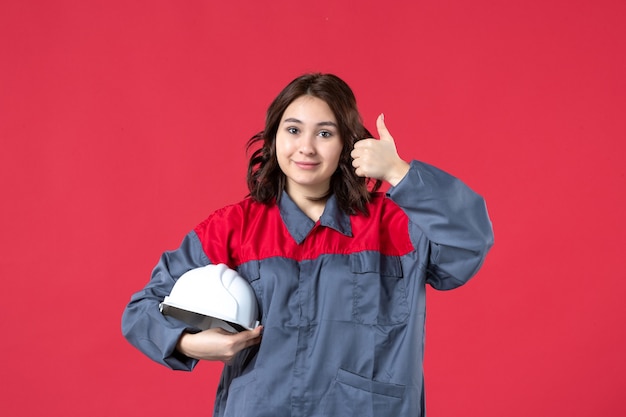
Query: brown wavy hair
(266, 181)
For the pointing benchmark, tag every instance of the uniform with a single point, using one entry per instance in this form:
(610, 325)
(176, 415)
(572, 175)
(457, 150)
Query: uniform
(342, 300)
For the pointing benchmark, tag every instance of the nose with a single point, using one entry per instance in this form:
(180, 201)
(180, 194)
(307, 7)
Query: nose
(307, 145)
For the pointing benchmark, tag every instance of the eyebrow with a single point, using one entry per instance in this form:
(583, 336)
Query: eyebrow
(294, 120)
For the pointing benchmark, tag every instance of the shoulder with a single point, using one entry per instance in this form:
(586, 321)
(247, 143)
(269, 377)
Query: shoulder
(380, 205)
(387, 225)
(233, 214)
(383, 212)
(221, 234)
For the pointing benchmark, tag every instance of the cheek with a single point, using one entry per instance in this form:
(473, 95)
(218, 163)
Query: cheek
(335, 154)
(279, 146)
(282, 151)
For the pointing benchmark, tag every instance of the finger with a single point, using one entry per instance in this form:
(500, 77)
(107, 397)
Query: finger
(361, 143)
(251, 342)
(365, 143)
(254, 337)
(358, 167)
(383, 133)
(252, 334)
(248, 337)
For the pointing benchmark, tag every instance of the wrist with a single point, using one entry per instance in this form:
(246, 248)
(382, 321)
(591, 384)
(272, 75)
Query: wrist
(182, 345)
(399, 171)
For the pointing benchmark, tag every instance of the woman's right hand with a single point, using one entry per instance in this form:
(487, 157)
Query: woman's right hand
(217, 344)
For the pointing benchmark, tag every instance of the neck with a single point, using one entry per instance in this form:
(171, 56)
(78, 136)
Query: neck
(308, 204)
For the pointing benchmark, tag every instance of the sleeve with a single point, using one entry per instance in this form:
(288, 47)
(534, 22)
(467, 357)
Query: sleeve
(452, 218)
(144, 326)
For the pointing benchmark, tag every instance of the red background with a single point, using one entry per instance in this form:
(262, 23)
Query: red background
(123, 124)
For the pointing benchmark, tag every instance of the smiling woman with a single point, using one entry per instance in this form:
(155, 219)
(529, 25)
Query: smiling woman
(267, 181)
(308, 148)
(338, 269)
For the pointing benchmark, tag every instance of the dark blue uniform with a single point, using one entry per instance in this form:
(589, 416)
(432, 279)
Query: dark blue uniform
(342, 300)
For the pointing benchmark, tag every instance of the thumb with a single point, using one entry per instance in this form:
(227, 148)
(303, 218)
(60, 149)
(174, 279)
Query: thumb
(249, 337)
(383, 133)
(256, 332)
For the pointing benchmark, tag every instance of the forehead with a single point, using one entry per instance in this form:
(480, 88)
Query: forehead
(309, 109)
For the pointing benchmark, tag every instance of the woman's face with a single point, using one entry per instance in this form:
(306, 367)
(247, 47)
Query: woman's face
(308, 146)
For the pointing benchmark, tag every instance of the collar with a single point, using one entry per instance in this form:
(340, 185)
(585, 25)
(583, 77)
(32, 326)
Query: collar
(300, 225)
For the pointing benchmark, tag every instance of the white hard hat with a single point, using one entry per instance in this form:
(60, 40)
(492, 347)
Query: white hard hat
(213, 296)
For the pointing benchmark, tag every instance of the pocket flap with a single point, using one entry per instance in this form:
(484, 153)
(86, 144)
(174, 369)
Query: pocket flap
(370, 261)
(250, 270)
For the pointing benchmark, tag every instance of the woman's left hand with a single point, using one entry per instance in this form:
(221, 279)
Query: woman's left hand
(379, 159)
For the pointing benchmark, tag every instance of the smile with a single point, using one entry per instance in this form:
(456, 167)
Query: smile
(306, 165)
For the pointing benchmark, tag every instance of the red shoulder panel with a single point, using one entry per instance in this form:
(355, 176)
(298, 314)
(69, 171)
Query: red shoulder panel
(252, 231)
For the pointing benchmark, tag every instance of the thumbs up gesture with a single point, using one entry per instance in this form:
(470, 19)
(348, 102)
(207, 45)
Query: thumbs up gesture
(379, 159)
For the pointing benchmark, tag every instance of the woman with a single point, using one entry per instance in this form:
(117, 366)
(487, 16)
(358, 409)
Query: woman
(339, 271)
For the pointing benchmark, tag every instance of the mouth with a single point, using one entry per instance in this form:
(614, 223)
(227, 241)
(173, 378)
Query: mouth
(306, 165)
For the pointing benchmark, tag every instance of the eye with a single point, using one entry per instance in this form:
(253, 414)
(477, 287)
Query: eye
(293, 130)
(325, 134)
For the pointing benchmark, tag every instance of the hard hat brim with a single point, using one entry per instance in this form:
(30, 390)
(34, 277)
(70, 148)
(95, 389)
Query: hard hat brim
(201, 321)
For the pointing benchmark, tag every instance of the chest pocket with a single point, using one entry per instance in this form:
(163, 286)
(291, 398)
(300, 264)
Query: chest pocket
(379, 289)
